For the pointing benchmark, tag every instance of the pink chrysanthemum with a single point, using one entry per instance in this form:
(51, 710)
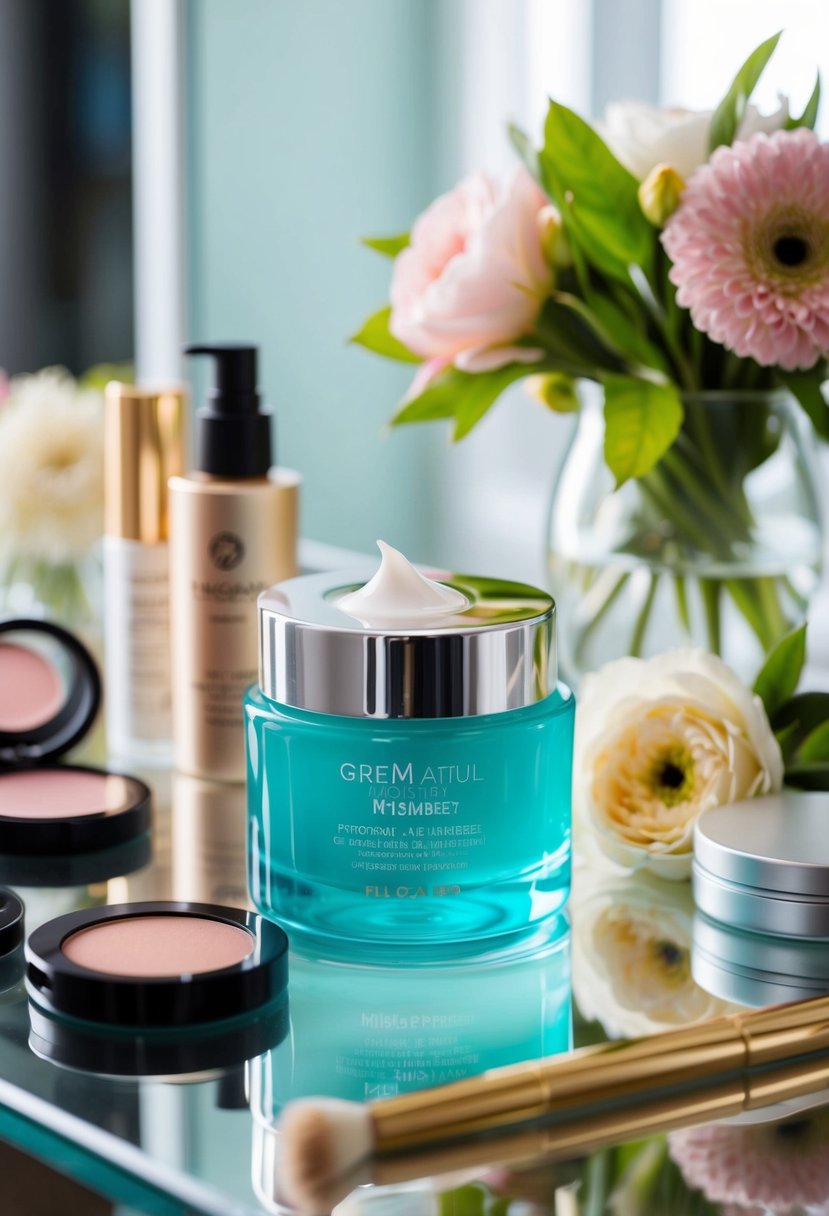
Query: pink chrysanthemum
(750, 248)
(767, 1165)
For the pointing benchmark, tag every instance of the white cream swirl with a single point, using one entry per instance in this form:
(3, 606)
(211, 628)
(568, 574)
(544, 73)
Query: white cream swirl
(398, 594)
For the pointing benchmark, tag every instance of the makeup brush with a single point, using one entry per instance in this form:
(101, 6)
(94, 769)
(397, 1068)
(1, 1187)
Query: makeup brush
(696, 1073)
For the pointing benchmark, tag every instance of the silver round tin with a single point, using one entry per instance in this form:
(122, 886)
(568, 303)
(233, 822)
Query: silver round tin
(496, 654)
(763, 865)
(756, 969)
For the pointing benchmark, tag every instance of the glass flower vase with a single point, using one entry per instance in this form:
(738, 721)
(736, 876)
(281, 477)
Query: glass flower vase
(719, 546)
(69, 593)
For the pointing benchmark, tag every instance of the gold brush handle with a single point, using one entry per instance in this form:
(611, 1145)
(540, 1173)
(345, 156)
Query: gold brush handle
(520, 1092)
(608, 1073)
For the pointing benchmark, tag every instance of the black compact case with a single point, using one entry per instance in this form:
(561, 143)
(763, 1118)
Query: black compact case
(163, 1026)
(40, 746)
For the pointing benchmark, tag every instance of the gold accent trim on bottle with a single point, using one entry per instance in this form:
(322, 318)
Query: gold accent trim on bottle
(144, 448)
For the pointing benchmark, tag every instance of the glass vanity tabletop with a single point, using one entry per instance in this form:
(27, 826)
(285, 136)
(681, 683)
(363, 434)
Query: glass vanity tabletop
(205, 1142)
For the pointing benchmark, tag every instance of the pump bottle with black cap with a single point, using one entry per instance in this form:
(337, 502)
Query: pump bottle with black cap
(233, 533)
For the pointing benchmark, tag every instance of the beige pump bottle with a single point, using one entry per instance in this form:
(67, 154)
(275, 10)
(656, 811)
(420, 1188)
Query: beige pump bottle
(233, 533)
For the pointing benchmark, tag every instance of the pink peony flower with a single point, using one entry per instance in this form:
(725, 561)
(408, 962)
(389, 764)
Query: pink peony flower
(778, 1165)
(474, 277)
(750, 247)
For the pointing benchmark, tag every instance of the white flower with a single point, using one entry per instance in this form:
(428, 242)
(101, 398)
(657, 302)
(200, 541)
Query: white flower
(658, 742)
(643, 136)
(51, 468)
(632, 955)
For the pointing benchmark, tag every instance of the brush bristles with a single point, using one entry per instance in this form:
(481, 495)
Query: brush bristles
(323, 1140)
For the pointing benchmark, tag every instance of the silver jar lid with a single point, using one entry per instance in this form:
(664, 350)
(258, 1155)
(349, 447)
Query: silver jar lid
(763, 864)
(496, 654)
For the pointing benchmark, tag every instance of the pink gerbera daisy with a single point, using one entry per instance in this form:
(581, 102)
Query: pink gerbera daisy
(750, 248)
(767, 1165)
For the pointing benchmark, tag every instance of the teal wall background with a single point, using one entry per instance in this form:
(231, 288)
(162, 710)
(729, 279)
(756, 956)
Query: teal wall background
(310, 124)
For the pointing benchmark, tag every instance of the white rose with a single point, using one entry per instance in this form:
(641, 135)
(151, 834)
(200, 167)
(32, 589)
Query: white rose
(632, 955)
(658, 742)
(643, 136)
(51, 468)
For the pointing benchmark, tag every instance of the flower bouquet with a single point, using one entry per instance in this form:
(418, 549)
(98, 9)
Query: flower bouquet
(51, 495)
(680, 262)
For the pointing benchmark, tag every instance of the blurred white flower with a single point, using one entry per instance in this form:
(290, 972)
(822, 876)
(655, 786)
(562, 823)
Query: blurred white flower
(51, 468)
(632, 955)
(658, 742)
(643, 136)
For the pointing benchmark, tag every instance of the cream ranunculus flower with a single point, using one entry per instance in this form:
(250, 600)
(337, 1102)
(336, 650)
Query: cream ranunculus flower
(658, 742)
(643, 136)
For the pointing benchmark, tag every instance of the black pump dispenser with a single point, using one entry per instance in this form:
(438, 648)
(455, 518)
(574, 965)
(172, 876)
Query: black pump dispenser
(233, 430)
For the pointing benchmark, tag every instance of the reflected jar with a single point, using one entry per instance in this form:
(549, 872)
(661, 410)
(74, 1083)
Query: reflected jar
(409, 787)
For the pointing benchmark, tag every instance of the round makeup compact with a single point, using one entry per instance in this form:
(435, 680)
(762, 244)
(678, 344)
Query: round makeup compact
(11, 922)
(50, 693)
(12, 935)
(196, 986)
(763, 865)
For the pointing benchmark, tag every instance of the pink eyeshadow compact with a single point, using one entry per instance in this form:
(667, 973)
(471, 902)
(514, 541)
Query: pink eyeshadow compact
(50, 693)
(190, 982)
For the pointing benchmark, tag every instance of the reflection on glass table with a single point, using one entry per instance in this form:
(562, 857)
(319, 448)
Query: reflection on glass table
(205, 1140)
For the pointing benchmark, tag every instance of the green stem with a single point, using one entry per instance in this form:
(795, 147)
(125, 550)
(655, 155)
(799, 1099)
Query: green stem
(710, 592)
(643, 618)
(759, 603)
(799, 599)
(654, 486)
(656, 312)
(597, 1183)
(682, 603)
(699, 429)
(598, 616)
(720, 515)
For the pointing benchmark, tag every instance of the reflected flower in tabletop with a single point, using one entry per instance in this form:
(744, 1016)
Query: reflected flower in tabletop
(632, 954)
(781, 1167)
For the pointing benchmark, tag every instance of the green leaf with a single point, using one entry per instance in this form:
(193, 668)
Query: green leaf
(798, 717)
(627, 336)
(99, 376)
(568, 331)
(376, 336)
(523, 145)
(642, 420)
(808, 776)
(758, 600)
(731, 110)
(597, 197)
(780, 674)
(467, 1200)
(464, 396)
(815, 747)
(806, 387)
(389, 246)
(809, 116)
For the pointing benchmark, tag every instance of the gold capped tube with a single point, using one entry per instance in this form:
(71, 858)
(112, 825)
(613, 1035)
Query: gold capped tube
(144, 448)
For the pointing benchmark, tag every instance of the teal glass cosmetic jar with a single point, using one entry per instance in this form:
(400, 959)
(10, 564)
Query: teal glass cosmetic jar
(408, 774)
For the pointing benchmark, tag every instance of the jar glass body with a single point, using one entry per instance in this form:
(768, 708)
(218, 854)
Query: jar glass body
(719, 546)
(409, 831)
